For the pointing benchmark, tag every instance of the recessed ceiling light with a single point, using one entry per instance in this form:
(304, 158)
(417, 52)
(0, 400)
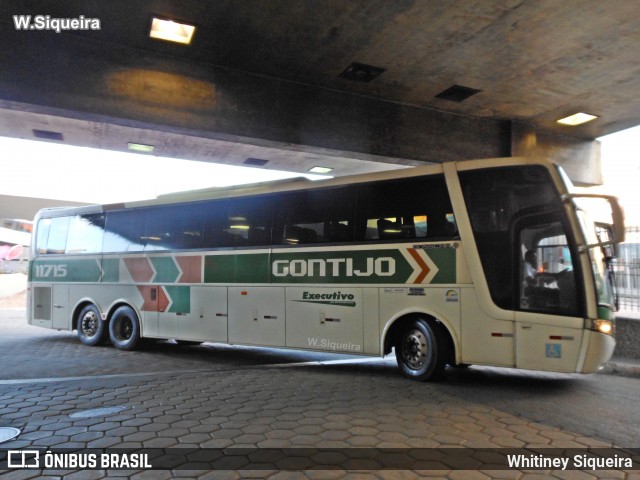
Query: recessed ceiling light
(140, 147)
(577, 119)
(171, 31)
(320, 170)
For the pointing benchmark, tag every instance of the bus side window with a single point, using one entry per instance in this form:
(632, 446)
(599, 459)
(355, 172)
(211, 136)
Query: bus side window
(214, 223)
(236, 231)
(405, 210)
(174, 227)
(247, 223)
(57, 240)
(339, 231)
(42, 236)
(85, 234)
(295, 235)
(395, 228)
(308, 217)
(125, 230)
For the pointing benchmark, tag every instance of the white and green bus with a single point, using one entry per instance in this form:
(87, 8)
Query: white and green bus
(488, 262)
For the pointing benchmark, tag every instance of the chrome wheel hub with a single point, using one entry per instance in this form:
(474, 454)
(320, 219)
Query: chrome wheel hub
(90, 322)
(414, 349)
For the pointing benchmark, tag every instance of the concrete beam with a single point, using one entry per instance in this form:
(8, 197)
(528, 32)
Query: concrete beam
(146, 89)
(62, 73)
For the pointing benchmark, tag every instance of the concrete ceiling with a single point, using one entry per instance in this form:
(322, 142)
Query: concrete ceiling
(532, 62)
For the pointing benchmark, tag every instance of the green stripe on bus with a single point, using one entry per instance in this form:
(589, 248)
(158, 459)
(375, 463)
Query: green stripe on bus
(239, 268)
(166, 269)
(380, 266)
(403, 265)
(180, 297)
(66, 270)
(445, 259)
(111, 270)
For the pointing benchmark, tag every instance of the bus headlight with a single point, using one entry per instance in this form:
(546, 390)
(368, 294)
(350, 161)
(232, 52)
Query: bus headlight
(603, 326)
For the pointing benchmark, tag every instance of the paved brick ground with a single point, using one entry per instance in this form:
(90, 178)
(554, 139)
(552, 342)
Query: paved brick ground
(267, 407)
(219, 397)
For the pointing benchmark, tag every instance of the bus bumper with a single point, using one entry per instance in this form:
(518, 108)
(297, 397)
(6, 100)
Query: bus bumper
(599, 350)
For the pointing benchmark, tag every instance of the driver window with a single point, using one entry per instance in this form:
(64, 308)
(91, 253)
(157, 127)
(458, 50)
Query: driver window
(547, 279)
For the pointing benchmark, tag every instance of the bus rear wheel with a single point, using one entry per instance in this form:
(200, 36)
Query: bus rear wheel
(420, 351)
(92, 329)
(124, 328)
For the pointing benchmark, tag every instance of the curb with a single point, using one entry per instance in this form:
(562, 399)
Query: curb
(622, 368)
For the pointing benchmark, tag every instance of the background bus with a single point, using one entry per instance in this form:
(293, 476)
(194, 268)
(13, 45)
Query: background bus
(432, 262)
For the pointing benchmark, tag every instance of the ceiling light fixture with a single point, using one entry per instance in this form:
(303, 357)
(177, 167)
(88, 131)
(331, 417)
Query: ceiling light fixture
(140, 147)
(577, 119)
(171, 31)
(320, 170)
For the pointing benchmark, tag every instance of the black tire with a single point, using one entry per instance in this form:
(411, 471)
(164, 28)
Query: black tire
(92, 330)
(124, 328)
(421, 351)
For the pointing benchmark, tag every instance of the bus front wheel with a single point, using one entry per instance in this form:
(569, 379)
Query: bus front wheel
(420, 351)
(124, 328)
(91, 328)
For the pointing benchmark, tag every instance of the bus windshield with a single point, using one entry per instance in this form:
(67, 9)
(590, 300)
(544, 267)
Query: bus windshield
(528, 255)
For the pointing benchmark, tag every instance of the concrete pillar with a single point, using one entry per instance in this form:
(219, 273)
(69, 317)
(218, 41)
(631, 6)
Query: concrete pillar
(579, 157)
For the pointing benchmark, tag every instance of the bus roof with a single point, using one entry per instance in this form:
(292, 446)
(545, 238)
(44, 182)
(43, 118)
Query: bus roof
(286, 185)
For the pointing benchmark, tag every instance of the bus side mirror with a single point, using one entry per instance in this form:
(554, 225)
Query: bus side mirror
(616, 229)
(606, 235)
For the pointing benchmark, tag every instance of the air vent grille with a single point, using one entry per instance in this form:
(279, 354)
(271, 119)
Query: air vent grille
(255, 162)
(360, 72)
(47, 134)
(457, 93)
